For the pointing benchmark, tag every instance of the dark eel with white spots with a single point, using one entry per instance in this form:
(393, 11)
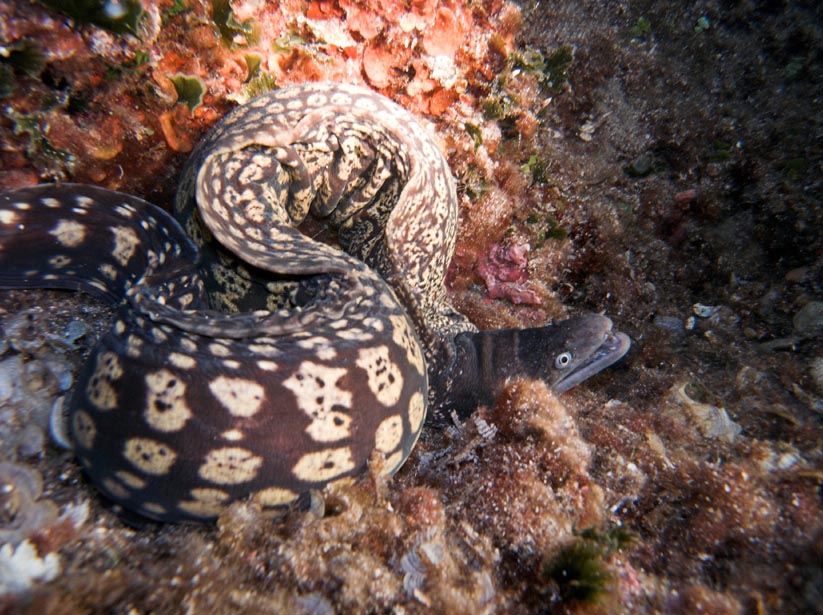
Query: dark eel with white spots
(247, 358)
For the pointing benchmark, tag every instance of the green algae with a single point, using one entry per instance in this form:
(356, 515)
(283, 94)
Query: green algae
(475, 133)
(117, 16)
(579, 572)
(641, 27)
(545, 228)
(190, 90)
(19, 57)
(231, 30)
(178, 7)
(49, 160)
(287, 42)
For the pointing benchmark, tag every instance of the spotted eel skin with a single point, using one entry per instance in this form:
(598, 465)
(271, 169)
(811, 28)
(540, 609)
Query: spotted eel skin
(246, 357)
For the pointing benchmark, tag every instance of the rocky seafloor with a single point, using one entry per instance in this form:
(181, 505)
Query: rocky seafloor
(657, 161)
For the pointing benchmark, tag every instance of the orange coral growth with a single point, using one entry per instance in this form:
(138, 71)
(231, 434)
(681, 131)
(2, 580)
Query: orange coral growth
(380, 63)
(441, 100)
(323, 9)
(170, 64)
(173, 124)
(447, 33)
(421, 83)
(105, 142)
(363, 22)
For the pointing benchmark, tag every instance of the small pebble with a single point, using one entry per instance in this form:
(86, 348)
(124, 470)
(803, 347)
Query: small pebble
(808, 322)
(9, 374)
(21, 330)
(316, 604)
(798, 275)
(703, 311)
(31, 441)
(816, 372)
(61, 369)
(684, 197)
(768, 301)
(641, 166)
(711, 421)
(670, 323)
(23, 514)
(75, 330)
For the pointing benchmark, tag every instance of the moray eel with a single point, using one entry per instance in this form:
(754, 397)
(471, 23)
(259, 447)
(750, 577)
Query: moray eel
(249, 359)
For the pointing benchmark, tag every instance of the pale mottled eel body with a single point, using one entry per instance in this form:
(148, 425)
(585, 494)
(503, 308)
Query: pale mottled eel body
(251, 359)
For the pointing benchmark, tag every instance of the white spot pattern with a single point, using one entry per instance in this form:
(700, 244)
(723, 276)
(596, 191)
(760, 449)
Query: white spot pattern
(230, 466)
(275, 496)
(99, 389)
(389, 434)
(166, 407)
(241, 397)
(125, 244)
(150, 456)
(315, 387)
(324, 465)
(183, 361)
(385, 377)
(8, 217)
(69, 233)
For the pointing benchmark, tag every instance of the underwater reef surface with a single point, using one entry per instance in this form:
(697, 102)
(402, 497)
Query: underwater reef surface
(659, 163)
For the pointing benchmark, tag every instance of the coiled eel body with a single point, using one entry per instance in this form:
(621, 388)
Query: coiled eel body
(247, 358)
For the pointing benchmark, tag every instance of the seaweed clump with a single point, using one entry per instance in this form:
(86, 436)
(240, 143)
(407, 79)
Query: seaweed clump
(232, 31)
(190, 90)
(50, 161)
(22, 56)
(580, 571)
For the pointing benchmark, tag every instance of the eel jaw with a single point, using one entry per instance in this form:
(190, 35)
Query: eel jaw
(561, 354)
(612, 348)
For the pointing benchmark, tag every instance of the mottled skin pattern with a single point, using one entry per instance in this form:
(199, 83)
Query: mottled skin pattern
(257, 361)
(357, 161)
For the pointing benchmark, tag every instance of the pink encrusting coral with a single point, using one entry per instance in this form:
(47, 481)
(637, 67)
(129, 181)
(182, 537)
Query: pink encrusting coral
(504, 270)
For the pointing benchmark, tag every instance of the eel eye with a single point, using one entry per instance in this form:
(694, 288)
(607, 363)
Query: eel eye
(563, 360)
